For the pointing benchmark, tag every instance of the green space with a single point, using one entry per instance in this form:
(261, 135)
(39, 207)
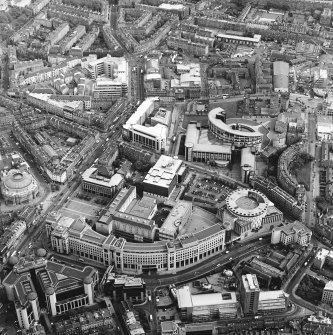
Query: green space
(303, 175)
(310, 289)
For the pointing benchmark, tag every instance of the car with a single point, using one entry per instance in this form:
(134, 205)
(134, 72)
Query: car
(157, 298)
(230, 259)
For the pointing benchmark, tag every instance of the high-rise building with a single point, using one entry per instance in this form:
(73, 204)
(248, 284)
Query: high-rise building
(250, 294)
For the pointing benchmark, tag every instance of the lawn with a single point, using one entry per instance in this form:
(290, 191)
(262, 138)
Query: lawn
(303, 176)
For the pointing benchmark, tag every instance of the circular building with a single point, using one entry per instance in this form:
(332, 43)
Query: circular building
(246, 205)
(238, 132)
(18, 187)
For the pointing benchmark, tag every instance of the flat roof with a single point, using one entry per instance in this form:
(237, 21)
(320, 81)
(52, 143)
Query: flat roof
(115, 180)
(329, 286)
(228, 127)
(255, 38)
(141, 113)
(213, 299)
(274, 295)
(163, 172)
(294, 227)
(250, 282)
(158, 131)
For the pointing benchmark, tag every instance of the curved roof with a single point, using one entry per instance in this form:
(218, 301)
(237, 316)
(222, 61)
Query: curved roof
(247, 203)
(253, 132)
(17, 180)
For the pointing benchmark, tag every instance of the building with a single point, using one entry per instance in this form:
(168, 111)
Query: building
(198, 149)
(58, 34)
(107, 88)
(249, 292)
(236, 39)
(78, 238)
(195, 48)
(281, 76)
(326, 17)
(10, 237)
(246, 205)
(60, 288)
(134, 130)
(101, 184)
(3, 5)
(282, 199)
(272, 302)
(327, 297)
(294, 232)
(129, 217)
(72, 38)
(18, 186)
(109, 67)
(176, 219)
(206, 307)
(236, 132)
(163, 177)
(123, 287)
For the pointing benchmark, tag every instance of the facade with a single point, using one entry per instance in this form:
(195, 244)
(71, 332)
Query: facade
(62, 288)
(58, 34)
(205, 307)
(163, 177)
(294, 232)
(72, 38)
(327, 297)
(10, 238)
(135, 258)
(236, 39)
(106, 186)
(106, 88)
(283, 200)
(18, 186)
(272, 302)
(195, 48)
(250, 292)
(238, 132)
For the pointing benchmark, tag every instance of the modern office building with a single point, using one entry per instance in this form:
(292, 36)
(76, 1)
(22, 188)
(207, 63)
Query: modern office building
(163, 177)
(134, 130)
(38, 283)
(78, 238)
(236, 132)
(18, 186)
(177, 218)
(281, 76)
(101, 184)
(272, 301)
(295, 232)
(129, 217)
(206, 307)
(199, 149)
(249, 292)
(327, 296)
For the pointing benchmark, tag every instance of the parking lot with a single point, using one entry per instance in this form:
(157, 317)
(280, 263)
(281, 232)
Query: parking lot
(208, 191)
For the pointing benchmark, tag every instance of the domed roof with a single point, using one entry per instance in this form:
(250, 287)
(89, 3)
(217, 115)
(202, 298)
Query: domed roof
(17, 180)
(49, 290)
(12, 260)
(41, 252)
(87, 280)
(32, 296)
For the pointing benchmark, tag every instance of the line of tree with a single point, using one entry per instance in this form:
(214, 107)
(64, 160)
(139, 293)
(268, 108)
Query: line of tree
(93, 5)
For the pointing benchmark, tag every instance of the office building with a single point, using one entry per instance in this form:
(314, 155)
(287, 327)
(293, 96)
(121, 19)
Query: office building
(206, 307)
(281, 76)
(198, 147)
(123, 287)
(163, 177)
(129, 217)
(97, 182)
(78, 238)
(272, 302)
(237, 132)
(327, 297)
(36, 283)
(294, 232)
(249, 292)
(134, 130)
